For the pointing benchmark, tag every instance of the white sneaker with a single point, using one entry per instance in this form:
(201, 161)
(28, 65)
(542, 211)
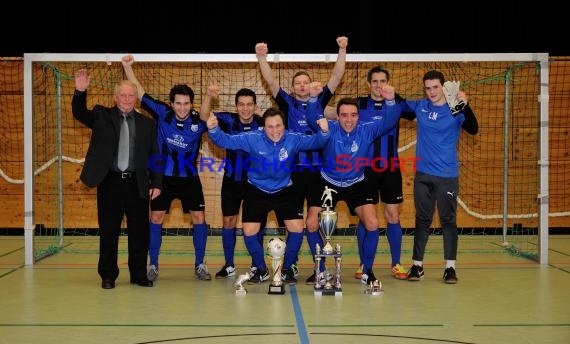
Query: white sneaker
(152, 273)
(202, 272)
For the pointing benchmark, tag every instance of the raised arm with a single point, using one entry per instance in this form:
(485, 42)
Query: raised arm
(261, 51)
(82, 80)
(314, 111)
(127, 62)
(338, 69)
(79, 100)
(224, 140)
(470, 124)
(211, 121)
(393, 111)
(211, 92)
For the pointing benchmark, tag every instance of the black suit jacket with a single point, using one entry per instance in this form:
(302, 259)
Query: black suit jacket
(105, 125)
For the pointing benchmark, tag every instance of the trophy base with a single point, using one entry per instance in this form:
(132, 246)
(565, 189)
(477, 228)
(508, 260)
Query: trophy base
(374, 289)
(241, 292)
(276, 289)
(328, 292)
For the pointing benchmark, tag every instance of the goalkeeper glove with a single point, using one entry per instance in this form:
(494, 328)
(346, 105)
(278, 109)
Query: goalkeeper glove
(458, 108)
(450, 91)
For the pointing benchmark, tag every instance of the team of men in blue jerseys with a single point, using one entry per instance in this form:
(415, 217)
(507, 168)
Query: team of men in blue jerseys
(288, 155)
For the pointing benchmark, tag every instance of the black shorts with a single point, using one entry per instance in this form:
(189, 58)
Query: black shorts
(233, 193)
(258, 204)
(308, 184)
(188, 190)
(357, 194)
(388, 183)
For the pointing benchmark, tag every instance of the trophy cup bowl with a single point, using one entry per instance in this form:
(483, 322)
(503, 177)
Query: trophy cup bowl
(276, 251)
(327, 223)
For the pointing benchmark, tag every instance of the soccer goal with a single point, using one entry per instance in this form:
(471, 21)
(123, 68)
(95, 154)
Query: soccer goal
(503, 169)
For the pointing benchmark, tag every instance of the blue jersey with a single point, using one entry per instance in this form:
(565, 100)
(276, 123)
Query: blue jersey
(345, 150)
(386, 146)
(229, 122)
(270, 163)
(296, 111)
(178, 141)
(438, 133)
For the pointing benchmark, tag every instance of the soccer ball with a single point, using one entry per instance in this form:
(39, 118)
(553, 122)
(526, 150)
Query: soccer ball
(276, 247)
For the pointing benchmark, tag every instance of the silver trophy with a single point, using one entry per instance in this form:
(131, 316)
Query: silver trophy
(240, 289)
(276, 251)
(327, 219)
(374, 288)
(327, 282)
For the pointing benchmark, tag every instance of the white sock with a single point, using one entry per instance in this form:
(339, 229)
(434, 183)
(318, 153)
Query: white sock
(418, 263)
(450, 264)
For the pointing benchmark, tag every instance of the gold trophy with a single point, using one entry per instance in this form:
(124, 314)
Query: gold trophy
(276, 250)
(326, 282)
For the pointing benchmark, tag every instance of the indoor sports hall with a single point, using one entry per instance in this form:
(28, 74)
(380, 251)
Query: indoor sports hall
(513, 215)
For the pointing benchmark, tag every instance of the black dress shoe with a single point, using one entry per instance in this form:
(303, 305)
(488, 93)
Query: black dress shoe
(143, 282)
(108, 284)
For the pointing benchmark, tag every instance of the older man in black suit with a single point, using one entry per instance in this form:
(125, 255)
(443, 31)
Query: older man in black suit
(122, 141)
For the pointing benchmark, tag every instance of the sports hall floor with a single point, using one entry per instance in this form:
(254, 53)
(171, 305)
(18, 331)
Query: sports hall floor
(500, 298)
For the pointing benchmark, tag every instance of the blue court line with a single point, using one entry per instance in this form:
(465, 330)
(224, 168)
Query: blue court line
(301, 328)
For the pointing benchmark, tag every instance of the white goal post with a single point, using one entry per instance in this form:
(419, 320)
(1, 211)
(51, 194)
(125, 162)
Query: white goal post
(541, 59)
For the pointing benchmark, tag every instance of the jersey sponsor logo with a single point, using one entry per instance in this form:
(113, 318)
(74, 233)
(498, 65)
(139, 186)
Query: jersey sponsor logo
(177, 140)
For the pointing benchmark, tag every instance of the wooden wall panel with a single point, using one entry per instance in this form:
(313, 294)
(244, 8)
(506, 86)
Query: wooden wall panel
(481, 156)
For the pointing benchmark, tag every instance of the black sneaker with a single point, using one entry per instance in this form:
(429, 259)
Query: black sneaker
(226, 271)
(288, 276)
(368, 278)
(259, 276)
(416, 273)
(311, 279)
(449, 276)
